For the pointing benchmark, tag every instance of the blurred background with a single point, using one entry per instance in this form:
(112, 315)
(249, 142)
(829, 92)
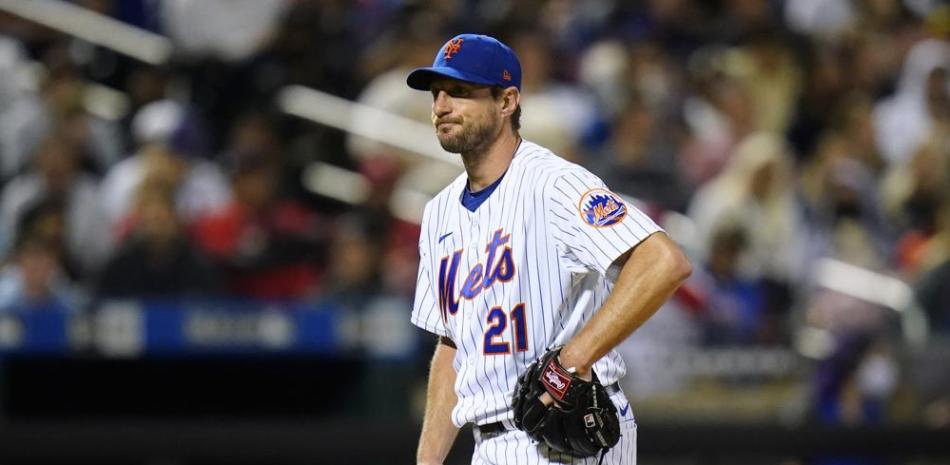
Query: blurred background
(210, 209)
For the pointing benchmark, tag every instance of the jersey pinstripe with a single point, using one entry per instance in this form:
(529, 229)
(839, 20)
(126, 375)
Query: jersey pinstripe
(520, 274)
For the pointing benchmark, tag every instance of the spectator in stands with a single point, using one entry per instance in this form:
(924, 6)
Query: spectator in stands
(56, 175)
(765, 66)
(269, 244)
(18, 107)
(934, 275)
(97, 141)
(217, 40)
(39, 271)
(560, 114)
(857, 373)
(387, 62)
(821, 18)
(853, 387)
(734, 307)
(823, 83)
(915, 192)
(639, 160)
(906, 120)
(840, 198)
(399, 258)
(223, 29)
(934, 296)
(157, 260)
(143, 85)
(856, 122)
(170, 148)
(354, 272)
(34, 280)
(756, 190)
(719, 116)
(318, 45)
(46, 220)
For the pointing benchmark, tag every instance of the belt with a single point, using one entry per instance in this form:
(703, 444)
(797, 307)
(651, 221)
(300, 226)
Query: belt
(499, 427)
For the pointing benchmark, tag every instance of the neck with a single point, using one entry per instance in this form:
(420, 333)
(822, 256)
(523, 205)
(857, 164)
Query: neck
(486, 166)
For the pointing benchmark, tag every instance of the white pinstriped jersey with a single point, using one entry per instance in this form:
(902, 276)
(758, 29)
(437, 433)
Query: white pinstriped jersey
(520, 274)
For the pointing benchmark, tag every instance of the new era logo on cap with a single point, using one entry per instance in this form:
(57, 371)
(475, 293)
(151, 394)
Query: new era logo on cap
(474, 58)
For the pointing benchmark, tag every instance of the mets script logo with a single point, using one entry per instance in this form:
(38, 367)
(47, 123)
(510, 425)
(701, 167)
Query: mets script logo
(600, 207)
(452, 47)
(499, 266)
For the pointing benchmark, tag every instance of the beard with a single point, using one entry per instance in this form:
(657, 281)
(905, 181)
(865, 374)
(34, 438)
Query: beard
(471, 139)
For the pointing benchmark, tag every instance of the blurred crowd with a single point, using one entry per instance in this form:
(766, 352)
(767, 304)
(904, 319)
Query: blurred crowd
(771, 136)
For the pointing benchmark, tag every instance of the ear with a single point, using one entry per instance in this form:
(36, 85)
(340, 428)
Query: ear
(510, 98)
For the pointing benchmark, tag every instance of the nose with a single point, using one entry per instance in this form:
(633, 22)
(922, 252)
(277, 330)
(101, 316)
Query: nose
(441, 104)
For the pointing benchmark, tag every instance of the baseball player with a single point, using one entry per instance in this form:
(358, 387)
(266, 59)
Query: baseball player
(531, 271)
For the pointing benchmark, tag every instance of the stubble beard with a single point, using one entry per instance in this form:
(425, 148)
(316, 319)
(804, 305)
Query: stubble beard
(471, 141)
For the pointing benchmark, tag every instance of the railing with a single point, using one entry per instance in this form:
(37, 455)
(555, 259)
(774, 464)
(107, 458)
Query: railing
(94, 28)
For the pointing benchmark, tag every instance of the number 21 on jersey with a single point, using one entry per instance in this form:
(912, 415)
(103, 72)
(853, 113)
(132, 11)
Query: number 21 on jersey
(497, 321)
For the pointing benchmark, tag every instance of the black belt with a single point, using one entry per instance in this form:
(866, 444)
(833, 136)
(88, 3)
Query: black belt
(499, 427)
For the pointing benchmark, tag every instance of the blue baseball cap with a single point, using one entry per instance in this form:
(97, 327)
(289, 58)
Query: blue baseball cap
(474, 58)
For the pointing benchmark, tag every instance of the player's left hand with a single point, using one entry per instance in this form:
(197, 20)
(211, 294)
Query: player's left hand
(570, 414)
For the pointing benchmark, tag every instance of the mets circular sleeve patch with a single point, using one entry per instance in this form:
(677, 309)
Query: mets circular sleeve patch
(600, 207)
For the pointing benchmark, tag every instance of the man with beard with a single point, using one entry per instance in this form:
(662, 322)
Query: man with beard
(526, 257)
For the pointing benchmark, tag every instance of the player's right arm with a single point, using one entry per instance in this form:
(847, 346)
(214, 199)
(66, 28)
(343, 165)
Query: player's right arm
(438, 431)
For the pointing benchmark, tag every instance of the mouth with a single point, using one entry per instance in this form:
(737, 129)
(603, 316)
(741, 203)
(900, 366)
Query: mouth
(445, 124)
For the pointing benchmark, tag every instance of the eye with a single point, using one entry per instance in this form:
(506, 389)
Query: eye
(458, 92)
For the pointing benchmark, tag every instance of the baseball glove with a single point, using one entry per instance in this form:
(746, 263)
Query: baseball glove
(581, 422)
